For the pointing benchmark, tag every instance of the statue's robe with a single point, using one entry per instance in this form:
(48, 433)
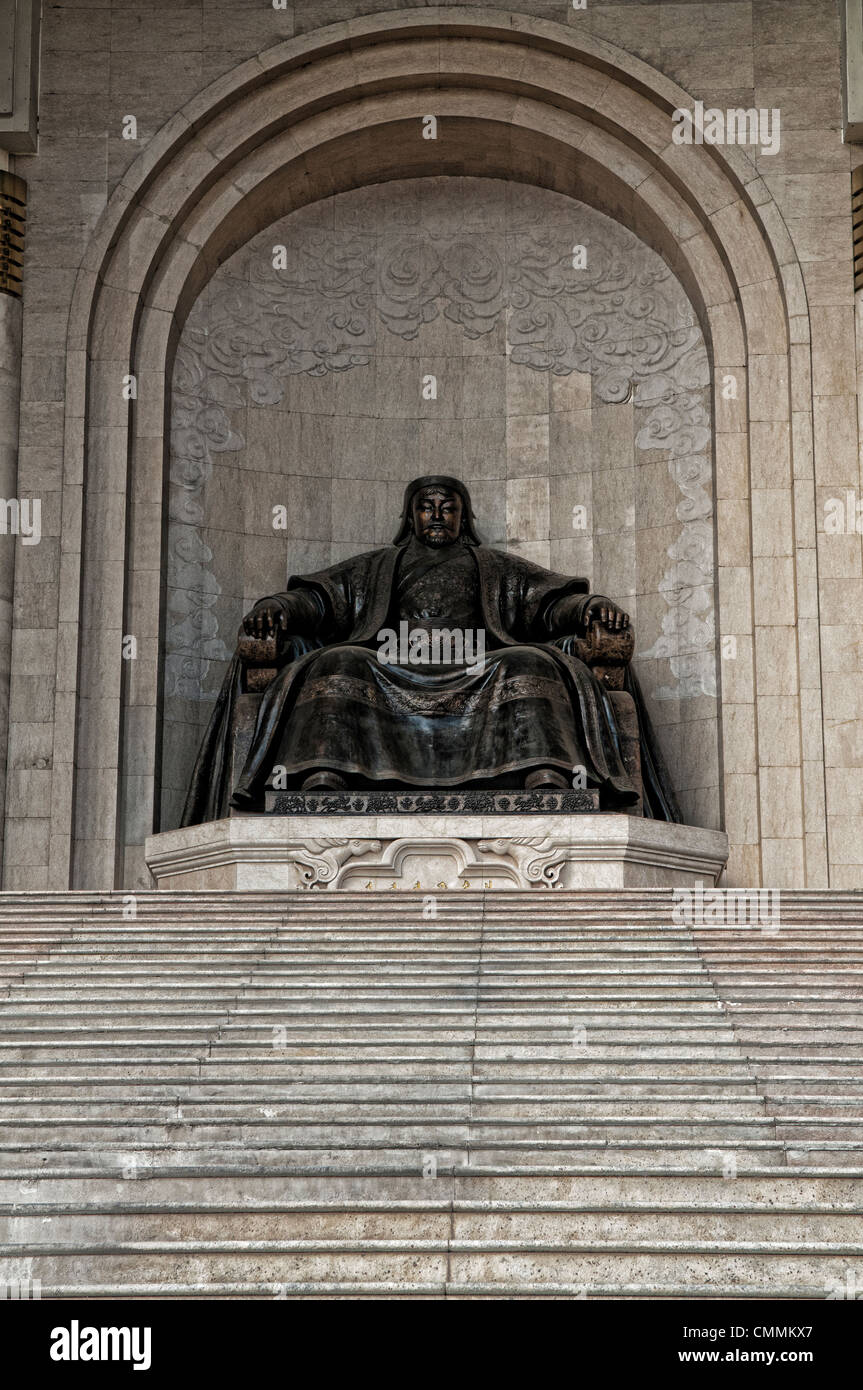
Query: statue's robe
(336, 706)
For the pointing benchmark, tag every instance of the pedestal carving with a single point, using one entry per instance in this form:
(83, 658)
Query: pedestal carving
(428, 853)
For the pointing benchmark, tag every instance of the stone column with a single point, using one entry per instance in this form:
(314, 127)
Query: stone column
(11, 224)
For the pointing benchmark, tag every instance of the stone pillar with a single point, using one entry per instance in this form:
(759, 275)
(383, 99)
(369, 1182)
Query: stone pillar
(12, 191)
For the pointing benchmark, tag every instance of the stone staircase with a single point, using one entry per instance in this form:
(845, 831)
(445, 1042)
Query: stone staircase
(337, 1095)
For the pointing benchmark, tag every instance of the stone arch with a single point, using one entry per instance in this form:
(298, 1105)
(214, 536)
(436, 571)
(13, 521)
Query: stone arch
(518, 98)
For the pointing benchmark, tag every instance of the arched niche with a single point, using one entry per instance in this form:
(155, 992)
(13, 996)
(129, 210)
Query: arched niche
(570, 391)
(523, 100)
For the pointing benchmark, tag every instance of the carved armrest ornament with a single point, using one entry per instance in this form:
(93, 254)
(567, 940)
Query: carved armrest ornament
(260, 659)
(606, 653)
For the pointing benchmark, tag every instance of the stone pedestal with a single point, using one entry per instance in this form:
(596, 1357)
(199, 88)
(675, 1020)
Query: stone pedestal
(436, 852)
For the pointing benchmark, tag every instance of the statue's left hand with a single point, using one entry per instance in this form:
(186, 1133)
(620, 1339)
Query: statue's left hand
(269, 616)
(602, 610)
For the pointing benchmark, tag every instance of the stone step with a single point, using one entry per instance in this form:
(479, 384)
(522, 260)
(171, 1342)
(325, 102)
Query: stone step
(449, 1128)
(622, 932)
(589, 983)
(293, 951)
(813, 1093)
(357, 908)
(263, 1005)
(234, 1030)
(690, 1190)
(369, 914)
(505, 1290)
(407, 912)
(292, 959)
(351, 1156)
(424, 1091)
(386, 1041)
(579, 934)
(266, 1009)
(153, 1138)
(813, 1266)
(413, 970)
(55, 1060)
(24, 1090)
(430, 938)
(408, 1109)
(797, 939)
(358, 1046)
(103, 1225)
(407, 1065)
(696, 992)
(240, 1011)
(399, 978)
(242, 1024)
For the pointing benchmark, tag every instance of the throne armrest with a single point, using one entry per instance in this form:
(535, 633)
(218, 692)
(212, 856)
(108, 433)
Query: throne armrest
(606, 653)
(260, 658)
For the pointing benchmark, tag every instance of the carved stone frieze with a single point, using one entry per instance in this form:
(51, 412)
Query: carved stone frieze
(378, 803)
(435, 854)
(319, 861)
(538, 860)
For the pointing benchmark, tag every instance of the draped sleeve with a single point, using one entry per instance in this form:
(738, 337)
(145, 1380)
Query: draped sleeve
(517, 595)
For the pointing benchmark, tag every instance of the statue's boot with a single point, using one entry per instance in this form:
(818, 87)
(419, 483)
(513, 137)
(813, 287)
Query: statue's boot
(545, 779)
(324, 782)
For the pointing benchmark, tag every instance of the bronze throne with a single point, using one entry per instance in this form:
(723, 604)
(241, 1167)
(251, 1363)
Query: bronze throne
(606, 653)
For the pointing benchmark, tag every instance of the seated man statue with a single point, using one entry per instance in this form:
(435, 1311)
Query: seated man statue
(435, 662)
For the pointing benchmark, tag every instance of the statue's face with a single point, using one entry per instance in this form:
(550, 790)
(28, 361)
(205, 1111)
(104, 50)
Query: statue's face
(437, 516)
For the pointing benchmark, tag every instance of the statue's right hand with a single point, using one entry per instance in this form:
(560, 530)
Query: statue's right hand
(267, 617)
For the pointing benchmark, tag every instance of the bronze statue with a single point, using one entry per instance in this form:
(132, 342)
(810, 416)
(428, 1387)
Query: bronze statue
(435, 662)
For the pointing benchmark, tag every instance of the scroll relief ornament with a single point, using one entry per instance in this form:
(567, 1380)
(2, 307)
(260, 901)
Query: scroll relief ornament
(622, 317)
(538, 860)
(319, 861)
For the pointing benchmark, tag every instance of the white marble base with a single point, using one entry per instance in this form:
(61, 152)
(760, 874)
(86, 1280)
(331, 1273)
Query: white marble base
(443, 852)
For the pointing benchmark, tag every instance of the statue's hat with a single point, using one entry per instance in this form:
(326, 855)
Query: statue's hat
(438, 480)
